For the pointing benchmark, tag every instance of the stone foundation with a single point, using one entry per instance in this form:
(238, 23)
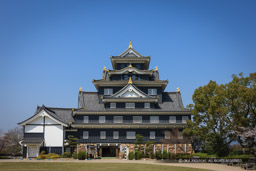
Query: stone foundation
(180, 149)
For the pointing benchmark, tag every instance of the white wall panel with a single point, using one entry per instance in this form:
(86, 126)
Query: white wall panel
(38, 120)
(33, 129)
(50, 121)
(53, 135)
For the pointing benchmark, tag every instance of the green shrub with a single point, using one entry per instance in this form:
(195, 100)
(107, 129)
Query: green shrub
(52, 156)
(165, 155)
(80, 156)
(158, 155)
(152, 155)
(131, 155)
(74, 155)
(42, 152)
(66, 155)
(138, 155)
(172, 156)
(48, 156)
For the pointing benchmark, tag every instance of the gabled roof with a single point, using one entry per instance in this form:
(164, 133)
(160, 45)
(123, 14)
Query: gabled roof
(61, 115)
(130, 52)
(29, 140)
(128, 91)
(171, 102)
(131, 69)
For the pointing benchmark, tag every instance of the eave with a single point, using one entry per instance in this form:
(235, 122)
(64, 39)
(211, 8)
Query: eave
(118, 112)
(118, 59)
(104, 83)
(130, 100)
(130, 126)
(131, 69)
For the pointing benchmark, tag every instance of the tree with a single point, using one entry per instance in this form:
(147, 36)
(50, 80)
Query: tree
(14, 136)
(209, 126)
(139, 139)
(241, 97)
(3, 140)
(222, 114)
(71, 142)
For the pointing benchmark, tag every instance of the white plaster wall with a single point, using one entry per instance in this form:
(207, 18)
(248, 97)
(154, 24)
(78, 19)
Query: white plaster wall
(33, 129)
(50, 121)
(53, 135)
(38, 120)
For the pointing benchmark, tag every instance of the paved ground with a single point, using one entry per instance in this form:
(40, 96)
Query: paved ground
(215, 167)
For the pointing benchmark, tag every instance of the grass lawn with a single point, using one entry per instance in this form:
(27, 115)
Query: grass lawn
(89, 166)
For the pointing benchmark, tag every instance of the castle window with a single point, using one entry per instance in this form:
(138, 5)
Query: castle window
(130, 135)
(112, 105)
(102, 119)
(108, 91)
(102, 134)
(137, 119)
(180, 136)
(85, 135)
(152, 135)
(118, 119)
(126, 77)
(147, 105)
(184, 119)
(115, 135)
(154, 119)
(172, 119)
(152, 91)
(86, 119)
(167, 135)
(129, 105)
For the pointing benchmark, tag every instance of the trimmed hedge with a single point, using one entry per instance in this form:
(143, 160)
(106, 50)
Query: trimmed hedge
(66, 155)
(138, 155)
(48, 156)
(80, 156)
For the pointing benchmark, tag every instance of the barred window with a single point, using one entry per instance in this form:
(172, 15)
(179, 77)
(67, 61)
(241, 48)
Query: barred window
(152, 135)
(129, 105)
(115, 135)
(85, 134)
(172, 119)
(154, 119)
(102, 119)
(130, 135)
(167, 135)
(152, 91)
(86, 119)
(147, 105)
(180, 136)
(137, 119)
(118, 119)
(108, 91)
(112, 105)
(184, 119)
(102, 134)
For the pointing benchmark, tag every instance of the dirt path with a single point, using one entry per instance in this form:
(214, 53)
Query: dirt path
(215, 167)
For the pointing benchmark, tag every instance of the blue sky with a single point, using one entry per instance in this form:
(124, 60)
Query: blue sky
(48, 49)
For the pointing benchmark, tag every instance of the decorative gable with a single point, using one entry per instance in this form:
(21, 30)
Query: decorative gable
(130, 91)
(130, 53)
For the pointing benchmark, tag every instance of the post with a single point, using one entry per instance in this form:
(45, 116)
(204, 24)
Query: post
(77, 151)
(162, 150)
(154, 149)
(185, 148)
(144, 150)
(27, 152)
(134, 152)
(175, 148)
